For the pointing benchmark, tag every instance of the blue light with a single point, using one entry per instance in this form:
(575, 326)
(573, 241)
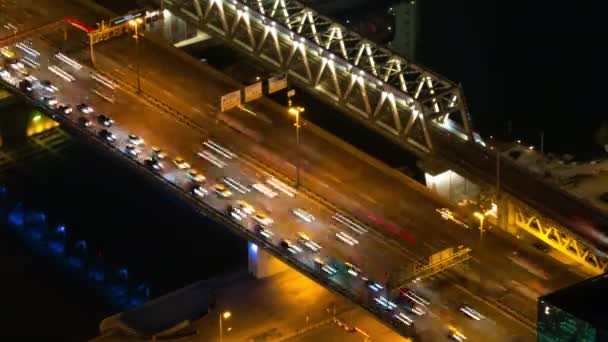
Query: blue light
(61, 229)
(254, 247)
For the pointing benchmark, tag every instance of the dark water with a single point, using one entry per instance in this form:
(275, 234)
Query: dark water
(126, 224)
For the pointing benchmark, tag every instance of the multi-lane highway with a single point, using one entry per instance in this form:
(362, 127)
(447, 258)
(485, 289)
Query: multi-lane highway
(328, 170)
(72, 84)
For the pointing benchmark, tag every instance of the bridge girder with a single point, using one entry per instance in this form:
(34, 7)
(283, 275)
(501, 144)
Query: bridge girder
(398, 98)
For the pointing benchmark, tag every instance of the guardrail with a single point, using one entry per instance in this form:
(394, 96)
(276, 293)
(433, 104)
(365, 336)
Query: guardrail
(206, 211)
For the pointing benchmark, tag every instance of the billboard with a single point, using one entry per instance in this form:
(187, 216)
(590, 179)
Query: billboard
(277, 83)
(127, 17)
(79, 24)
(253, 92)
(230, 100)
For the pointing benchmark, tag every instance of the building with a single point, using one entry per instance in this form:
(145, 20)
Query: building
(578, 313)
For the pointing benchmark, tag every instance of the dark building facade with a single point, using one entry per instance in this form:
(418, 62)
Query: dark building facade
(578, 313)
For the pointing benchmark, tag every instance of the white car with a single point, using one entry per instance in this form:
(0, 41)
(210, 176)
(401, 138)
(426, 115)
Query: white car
(303, 215)
(470, 312)
(262, 219)
(132, 150)
(157, 153)
(135, 140)
(200, 191)
(196, 177)
(347, 239)
(181, 164)
(221, 190)
(352, 269)
(84, 108)
(265, 190)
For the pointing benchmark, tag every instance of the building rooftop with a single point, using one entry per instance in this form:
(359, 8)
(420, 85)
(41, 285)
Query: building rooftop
(586, 300)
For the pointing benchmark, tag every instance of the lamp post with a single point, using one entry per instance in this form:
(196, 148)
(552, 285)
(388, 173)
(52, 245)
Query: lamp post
(135, 23)
(224, 315)
(296, 111)
(481, 217)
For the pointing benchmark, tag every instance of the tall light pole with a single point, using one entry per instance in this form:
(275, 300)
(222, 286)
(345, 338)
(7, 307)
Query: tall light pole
(224, 315)
(481, 217)
(296, 111)
(135, 23)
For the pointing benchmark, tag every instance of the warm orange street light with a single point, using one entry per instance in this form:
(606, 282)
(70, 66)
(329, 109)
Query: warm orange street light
(296, 111)
(135, 23)
(224, 315)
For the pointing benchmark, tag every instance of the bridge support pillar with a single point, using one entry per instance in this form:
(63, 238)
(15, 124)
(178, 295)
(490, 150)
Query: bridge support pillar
(262, 264)
(13, 121)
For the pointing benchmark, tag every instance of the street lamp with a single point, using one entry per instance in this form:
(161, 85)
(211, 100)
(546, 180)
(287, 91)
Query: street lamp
(135, 23)
(296, 111)
(224, 315)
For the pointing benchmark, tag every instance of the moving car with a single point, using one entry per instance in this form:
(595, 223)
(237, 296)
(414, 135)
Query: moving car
(352, 269)
(64, 109)
(84, 122)
(153, 164)
(306, 241)
(84, 108)
(132, 150)
(157, 153)
(244, 208)
(290, 246)
(262, 218)
(107, 135)
(470, 312)
(414, 296)
(221, 190)
(263, 231)
(104, 120)
(135, 140)
(180, 163)
(347, 239)
(303, 215)
(200, 191)
(196, 177)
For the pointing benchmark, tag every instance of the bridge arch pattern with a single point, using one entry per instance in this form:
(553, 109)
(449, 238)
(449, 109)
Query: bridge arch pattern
(403, 101)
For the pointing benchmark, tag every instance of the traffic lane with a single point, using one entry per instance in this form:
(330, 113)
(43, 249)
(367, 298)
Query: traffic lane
(329, 177)
(496, 326)
(100, 105)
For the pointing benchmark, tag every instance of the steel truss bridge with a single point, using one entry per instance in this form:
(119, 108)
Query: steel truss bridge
(397, 98)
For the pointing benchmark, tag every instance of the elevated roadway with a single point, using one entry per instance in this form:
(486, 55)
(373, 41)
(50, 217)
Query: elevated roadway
(375, 254)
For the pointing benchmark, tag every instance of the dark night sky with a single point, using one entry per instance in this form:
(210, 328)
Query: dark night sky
(540, 65)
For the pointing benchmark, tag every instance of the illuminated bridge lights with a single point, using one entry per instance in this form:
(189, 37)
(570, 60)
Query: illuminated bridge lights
(401, 100)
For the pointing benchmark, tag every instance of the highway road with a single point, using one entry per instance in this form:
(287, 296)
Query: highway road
(330, 173)
(372, 254)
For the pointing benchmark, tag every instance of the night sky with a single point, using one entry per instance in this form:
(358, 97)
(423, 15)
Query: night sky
(538, 64)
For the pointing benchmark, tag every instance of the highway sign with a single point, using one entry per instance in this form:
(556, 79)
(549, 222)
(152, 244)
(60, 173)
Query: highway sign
(231, 100)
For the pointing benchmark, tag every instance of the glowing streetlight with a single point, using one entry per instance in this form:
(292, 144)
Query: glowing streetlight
(135, 24)
(296, 111)
(223, 316)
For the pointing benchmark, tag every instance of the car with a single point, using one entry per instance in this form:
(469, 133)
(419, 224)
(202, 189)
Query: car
(347, 239)
(306, 241)
(387, 304)
(445, 213)
(135, 140)
(157, 153)
(290, 246)
(470, 312)
(352, 269)
(49, 101)
(414, 296)
(180, 163)
(263, 231)
(244, 208)
(265, 190)
(84, 122)
(400, 316)
(455, 334)
(104, 120)
(132, 150)
(84, 108)
(374, 285)
(196, 177)
(64, 109)
(303, 215)
(221, 190)
(200, 191)
(262, 218)
(153, 164)
(318, 261)
(107, 135)
(541, 246)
